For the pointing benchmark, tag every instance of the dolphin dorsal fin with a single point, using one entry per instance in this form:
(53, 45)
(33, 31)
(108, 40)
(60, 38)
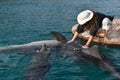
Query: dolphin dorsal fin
(59, 36)
(95, 52)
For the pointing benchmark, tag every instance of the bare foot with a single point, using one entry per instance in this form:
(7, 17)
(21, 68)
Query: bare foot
(106, 39)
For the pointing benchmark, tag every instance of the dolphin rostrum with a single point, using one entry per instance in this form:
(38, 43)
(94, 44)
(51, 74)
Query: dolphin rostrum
(39, 65)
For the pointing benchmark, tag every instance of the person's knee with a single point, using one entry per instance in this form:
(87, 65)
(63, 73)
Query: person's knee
(74, 28)
(80, 36)
(100, 34)
(106, 24)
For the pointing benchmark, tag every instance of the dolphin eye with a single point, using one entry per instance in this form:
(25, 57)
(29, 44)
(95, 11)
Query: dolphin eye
(74, 49)
(37, 51)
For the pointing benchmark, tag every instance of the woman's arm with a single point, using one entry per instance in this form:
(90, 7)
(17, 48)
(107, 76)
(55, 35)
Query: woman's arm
(74, 37)
(92, 33)
(88, 42)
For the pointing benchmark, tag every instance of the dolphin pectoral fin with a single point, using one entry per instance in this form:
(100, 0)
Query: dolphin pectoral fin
(59, 36)
(94, 52)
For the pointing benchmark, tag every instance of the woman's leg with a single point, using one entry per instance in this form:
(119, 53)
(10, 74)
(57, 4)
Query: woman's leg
(75, 33)
(106, 26)
(103, 34)
(80, 36)
(106, 35)
(100, 34)
(74, 28)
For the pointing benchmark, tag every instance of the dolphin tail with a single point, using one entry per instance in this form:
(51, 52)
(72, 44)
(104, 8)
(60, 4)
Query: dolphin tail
(111, 70)
(105, 65)
(59, 36)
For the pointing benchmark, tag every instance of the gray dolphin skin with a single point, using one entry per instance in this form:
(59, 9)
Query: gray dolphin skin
(30, 47)
(72, 50)
(91, 55)
(39, 65)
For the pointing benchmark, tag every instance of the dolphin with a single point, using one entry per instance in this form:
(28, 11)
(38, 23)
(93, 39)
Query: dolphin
(73, 50)
(91, 55)
(39, 65)
(30, 47)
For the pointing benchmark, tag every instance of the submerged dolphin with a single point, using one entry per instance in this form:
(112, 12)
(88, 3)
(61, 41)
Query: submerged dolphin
(92, 55)
(75, 52)
(39, 65)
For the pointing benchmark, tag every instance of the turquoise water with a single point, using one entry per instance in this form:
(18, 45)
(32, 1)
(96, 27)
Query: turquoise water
(23, 21)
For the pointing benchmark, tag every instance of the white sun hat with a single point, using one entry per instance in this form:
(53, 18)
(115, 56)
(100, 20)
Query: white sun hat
(84, 16)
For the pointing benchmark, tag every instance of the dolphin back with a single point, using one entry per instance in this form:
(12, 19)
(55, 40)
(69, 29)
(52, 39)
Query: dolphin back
(39, 65)
(59, 36)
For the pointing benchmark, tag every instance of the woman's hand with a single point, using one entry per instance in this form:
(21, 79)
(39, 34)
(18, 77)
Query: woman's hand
(85, 47)
(70, 41)
(73, 38)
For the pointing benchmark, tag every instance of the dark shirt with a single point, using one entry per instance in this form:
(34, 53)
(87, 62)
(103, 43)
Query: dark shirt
(100, 17)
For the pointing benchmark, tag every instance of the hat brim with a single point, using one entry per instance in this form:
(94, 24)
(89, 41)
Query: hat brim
(83, 21)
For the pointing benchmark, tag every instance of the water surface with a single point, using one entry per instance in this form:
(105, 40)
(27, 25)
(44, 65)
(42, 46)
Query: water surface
(23, 21)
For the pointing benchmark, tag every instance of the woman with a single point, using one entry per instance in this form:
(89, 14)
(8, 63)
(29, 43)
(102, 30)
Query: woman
(89, 22)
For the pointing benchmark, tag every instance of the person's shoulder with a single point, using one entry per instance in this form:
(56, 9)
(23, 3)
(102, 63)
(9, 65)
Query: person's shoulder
(100, 14)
